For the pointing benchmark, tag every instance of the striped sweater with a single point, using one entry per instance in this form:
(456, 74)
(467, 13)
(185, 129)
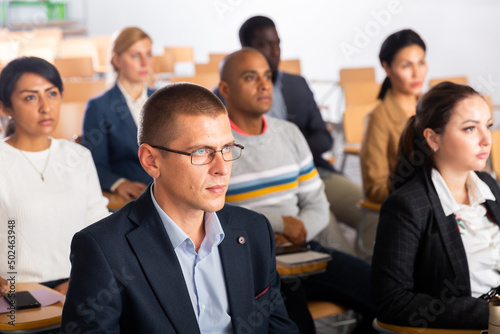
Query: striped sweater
(275, 176)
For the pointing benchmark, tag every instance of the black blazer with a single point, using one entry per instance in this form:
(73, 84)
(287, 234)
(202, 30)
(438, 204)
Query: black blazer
(110, 133)
(420, 274)
(126, 278)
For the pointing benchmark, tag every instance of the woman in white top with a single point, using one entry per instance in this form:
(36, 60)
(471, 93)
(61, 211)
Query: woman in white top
(48, 188)
(438, 240)
(110, 123)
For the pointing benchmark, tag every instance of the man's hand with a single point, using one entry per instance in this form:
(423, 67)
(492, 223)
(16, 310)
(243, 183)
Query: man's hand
(130, 190)
(294, 230)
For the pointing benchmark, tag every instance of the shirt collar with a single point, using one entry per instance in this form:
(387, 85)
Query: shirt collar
(479, 191)
(241, 132)
(128, 98)
(214, 233)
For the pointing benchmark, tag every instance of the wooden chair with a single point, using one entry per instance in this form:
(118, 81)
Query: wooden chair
(163, 64)
(206, 68)
(79, 47)
(458, 80)
(82, 91)
(357, 93)
(350, 75)
(216, 58)
(116, 202)
(70, 124)
(290, 66)
(78, 67)
(180, 53)
(387, 328)
(207, 80)
(321, 309)
(103, 46)
(353, 119)
(46, 53)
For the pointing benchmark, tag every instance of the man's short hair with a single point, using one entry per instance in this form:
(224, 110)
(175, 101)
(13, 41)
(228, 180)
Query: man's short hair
(158, 124)
(248, 29)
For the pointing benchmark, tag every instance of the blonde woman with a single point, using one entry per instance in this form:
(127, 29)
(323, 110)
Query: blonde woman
(110, 124)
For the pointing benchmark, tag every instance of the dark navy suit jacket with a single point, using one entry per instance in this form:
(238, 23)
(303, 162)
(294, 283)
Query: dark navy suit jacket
(126, 277)
(110, 133)
(420, 274)
(303, 111)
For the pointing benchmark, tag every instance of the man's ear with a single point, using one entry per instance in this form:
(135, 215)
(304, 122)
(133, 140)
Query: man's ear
(224, 89)
(150, 160)
(432, 138)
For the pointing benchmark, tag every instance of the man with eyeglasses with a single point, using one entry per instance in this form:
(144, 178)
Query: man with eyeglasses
(276, 177)
(177, 260)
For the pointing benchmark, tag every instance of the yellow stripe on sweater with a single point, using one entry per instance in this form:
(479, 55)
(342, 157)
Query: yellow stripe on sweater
(261, 192)
(308, 176)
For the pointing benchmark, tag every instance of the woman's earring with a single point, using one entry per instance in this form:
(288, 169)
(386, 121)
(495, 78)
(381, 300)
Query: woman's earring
(9, 117)
(435, 149)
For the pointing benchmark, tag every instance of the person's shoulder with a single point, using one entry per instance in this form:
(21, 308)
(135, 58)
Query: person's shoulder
(280, 125)
(114, 226)
(292, 77)
(71, 147)
(413, 191)
(105, 97)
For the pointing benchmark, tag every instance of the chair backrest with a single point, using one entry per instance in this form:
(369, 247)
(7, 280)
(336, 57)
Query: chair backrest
(79, 47)
(207, 80)
(70, 120)
(495, 152)
(216, 58)
(363, 93)
(46, 53)
(180, 53)
(361, 74)
(103, 47)
(206, 68)
(353, 119)
(163, 64)
(290, 66)
(458, 80)
(81, 67)
(82, 91)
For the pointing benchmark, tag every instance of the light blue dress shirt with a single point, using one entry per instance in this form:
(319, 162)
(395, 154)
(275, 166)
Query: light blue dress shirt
(278, 109)
(202, 272)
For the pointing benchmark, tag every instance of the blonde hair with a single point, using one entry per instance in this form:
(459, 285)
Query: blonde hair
(126, 38)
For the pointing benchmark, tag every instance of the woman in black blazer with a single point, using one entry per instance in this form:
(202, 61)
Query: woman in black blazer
(438, 239)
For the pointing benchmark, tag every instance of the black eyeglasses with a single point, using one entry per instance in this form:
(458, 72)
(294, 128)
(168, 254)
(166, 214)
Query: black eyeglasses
(204, 156)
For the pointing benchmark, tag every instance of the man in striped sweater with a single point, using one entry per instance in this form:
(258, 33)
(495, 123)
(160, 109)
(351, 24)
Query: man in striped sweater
(277, 178)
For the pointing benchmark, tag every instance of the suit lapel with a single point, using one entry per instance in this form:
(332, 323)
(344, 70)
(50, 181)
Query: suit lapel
(159, 262)
(450, 234)
(120, 108)
(236, 260)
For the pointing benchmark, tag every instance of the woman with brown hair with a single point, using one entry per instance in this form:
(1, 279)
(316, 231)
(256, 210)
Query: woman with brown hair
(402, 56)
(110, 123)
(438, 239)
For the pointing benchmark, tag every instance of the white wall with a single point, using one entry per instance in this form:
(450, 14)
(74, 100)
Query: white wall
(461, 35)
